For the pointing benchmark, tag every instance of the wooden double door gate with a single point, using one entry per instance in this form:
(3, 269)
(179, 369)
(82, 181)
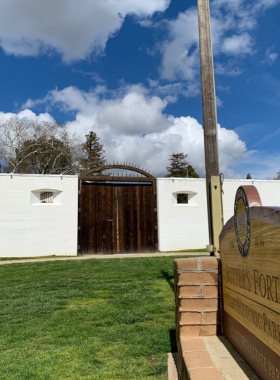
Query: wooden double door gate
(117, 217)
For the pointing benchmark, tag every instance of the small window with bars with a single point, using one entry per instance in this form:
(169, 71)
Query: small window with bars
(183, 198)
(46, 197)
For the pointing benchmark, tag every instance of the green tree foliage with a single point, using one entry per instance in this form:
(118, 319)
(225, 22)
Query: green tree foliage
(92, 153)
(179, 167)
(248, 176)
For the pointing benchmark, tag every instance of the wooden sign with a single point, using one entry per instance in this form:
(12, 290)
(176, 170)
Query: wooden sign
(250, 264)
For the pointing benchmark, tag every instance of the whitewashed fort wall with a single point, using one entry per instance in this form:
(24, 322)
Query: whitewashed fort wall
(29, 228)
(185, 226)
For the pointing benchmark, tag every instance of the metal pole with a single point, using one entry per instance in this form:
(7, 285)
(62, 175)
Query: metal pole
(208, 102)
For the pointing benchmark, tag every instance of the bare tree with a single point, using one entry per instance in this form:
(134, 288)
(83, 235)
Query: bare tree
(38, 147)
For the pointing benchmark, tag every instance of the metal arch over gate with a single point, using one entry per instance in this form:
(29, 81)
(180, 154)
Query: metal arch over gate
(117, 214)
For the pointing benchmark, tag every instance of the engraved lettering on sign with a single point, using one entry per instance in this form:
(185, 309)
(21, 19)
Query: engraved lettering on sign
(238, 277)
(259, 319)
(261, 359)
(266, 286)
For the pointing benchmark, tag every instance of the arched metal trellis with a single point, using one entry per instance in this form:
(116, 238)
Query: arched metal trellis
(136, 169)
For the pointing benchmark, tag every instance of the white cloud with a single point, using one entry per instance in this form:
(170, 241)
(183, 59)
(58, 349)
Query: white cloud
(132, 126)
(71, 27)
(223, 88)
(219, 102)
(230, 69)
(270, 56)
(235, 45)
(27, 115)
(172, 91)
(231, 23)
(178, 61)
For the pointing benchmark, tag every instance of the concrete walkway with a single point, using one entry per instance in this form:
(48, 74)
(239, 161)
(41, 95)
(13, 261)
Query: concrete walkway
(116, 256)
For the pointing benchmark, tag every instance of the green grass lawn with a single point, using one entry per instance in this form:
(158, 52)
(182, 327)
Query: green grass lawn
(89, 319)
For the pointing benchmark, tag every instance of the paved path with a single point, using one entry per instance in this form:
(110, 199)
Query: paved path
(116, 256)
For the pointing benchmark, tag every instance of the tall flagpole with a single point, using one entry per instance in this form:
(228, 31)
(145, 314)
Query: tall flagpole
(208, 102)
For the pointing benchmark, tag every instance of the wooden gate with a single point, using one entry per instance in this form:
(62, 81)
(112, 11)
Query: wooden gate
(117, 214)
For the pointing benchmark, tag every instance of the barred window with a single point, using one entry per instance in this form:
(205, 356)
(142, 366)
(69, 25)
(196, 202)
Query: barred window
(46, 197)
(183, 198)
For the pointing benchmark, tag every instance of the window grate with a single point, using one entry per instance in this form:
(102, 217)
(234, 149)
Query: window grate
(46, 197)
(183, 198)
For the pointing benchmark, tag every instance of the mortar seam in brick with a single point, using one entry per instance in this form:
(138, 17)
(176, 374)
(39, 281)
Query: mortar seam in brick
(202, 318)
(198, 271)
(196, 283)
(199, 264)
(195, 311)
(198, 297)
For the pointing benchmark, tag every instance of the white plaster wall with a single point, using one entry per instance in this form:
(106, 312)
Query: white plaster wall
(186, 226)
(29, 228)
(181, 226)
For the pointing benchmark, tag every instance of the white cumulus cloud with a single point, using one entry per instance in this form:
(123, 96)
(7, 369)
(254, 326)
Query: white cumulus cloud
(133, 127)
(231, 24)
(73, 28)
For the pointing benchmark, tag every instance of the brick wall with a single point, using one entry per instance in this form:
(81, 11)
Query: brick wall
(196, 282)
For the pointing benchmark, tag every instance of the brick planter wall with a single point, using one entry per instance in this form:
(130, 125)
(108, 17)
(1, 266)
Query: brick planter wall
(196, 283)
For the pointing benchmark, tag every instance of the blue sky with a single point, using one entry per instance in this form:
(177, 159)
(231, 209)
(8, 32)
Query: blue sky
(130, 71)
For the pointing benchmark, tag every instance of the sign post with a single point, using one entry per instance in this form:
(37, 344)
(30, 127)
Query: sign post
(209, 113)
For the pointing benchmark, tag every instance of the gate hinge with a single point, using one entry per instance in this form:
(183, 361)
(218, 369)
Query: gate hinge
(79, 210)
(79, 247)
(155, 227)
(79, 228)
(79, 192)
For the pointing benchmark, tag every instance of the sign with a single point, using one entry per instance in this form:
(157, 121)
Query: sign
(250, 262)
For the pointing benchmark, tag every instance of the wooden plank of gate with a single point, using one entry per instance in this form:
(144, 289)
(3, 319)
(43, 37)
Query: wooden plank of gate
(135, 217)
(143, 221)
(115, 219)
(131, 219)
(110, 212)
(99, 219)
(94, 205)
(126, 220)
(89, 218)
(138, 219)
(151, 218)
(120, 218)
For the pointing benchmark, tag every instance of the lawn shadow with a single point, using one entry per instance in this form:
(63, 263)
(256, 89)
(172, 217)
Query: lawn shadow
(168, 279)
(173, 341)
